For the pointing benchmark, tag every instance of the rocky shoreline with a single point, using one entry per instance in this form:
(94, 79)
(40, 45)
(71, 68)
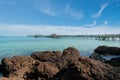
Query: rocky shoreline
(66, 65)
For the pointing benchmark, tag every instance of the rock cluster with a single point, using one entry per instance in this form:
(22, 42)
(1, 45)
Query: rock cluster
(107, 51)
(55, 65)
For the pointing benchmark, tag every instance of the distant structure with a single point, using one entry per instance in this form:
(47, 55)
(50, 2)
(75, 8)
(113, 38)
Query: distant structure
(36, 36)
(112, 37)
(105, 37)
(54, 35)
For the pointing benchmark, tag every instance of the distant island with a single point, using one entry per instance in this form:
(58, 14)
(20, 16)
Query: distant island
(50, 36)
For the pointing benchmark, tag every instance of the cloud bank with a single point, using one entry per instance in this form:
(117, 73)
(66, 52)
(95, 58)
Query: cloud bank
(92, 25)
(23, 30)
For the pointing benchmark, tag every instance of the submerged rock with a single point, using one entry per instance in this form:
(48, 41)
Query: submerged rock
(105, 50)
(50, 65)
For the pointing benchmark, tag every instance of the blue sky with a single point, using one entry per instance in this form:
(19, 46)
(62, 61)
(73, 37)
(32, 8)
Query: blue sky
(23, 17)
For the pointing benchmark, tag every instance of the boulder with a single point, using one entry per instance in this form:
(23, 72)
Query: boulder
(46, 55)
(71, 52)
(0, 67)
(114, 62)
(97, 56)
(17, 65)
(46, 70)
(105, 50)
(88, 69)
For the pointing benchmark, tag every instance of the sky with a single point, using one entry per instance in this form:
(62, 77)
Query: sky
(29, 17)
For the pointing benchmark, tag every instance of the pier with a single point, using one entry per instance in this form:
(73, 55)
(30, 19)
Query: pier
(105, 37)
(108, 37)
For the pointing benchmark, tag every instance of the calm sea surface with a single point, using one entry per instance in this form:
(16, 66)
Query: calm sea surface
(10, 46)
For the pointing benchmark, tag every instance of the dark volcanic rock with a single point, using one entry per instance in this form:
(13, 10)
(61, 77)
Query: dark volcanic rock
(105, 50)
(0, 67)
(46, 55)
(114, 62)
(97, 56)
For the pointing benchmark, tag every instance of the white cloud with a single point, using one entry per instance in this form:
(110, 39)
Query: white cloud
(74, 13)
(105, 22)
(45, 6)
(23, 30)
(99, 13)
(92, 25)
(48, 11)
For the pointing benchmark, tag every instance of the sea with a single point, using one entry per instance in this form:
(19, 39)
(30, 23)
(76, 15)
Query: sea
(14, 46)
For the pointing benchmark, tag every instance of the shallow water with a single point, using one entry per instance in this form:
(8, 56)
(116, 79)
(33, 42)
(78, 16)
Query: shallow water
(11, 46)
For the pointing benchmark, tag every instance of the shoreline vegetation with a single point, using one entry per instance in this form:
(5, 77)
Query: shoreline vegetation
(66, 65)
(96, 37)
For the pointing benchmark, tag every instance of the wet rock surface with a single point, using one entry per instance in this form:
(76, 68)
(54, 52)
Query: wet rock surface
(97, 56)
(105, 50)
(54, 65)
(114, 62)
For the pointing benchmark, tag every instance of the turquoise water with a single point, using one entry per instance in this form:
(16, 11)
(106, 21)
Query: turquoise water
(11, 46)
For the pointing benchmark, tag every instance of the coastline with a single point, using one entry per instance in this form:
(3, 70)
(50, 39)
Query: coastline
(52, 65)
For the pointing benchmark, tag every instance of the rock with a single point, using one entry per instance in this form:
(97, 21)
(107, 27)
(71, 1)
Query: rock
(0, 67)
(71, 52)
(114, 62)
(17, 65)
(69, 55)
(46, 70)
(46, 55)
(88, 69)
(105, 50)
(49, 65)
(62, 63)
(97, 56)
(11, 78)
